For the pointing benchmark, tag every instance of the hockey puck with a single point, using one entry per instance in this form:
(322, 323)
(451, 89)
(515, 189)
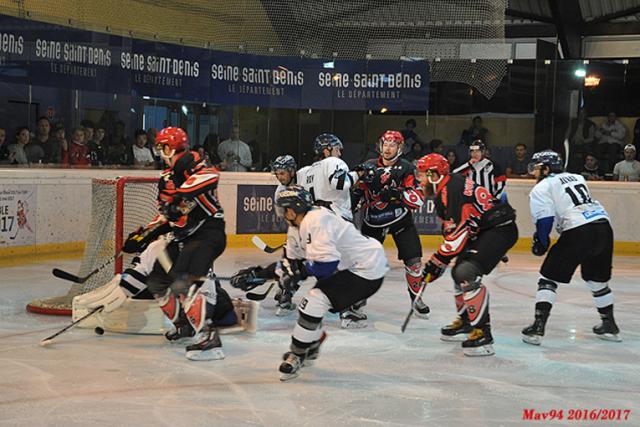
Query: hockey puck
(98, 330)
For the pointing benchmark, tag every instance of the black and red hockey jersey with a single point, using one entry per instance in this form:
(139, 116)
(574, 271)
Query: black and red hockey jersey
(387, 193)
(466, 210)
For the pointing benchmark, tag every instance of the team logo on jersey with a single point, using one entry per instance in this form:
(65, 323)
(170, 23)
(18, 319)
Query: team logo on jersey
(385, 176)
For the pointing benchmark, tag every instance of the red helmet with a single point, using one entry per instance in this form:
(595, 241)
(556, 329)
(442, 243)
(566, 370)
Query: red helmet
(175, 138)
(433, 162)
(391, 136)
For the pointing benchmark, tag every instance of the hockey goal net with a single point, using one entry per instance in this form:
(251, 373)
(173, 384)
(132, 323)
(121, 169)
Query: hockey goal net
(118, 207)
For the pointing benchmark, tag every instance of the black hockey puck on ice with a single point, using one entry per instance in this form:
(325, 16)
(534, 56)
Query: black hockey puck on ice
(98, 330)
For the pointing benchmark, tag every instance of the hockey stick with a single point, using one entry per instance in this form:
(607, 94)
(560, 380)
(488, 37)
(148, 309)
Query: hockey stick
(50, 338)
(387, 327)
(260, 244)
(254, 296)
(61, 274)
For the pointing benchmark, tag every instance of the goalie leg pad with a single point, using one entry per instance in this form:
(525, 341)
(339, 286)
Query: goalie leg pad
(195, 305)
(170, 305)
(80, 304)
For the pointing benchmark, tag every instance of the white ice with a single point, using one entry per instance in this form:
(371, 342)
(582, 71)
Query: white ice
(363, 377)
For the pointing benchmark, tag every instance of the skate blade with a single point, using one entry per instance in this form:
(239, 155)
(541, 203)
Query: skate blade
(609, 337)
(485, 350)
(282, 312)
(532, 339)
(353, 325)
(286, 377)
(421, 315)
(453, 338)
(199, 355)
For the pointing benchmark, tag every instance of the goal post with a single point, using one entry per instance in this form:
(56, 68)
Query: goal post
(118, 207)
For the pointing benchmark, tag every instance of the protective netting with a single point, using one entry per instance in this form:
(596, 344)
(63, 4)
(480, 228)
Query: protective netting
(118, 207)
(454, 31)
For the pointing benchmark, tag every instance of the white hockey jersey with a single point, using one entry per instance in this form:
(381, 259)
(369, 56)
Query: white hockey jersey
(328, 180)
(566, 197)
(323, 236)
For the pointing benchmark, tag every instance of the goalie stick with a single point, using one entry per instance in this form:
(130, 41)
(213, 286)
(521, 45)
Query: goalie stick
(50, 338)
(260, 244)
(387, 327)
(61, 274)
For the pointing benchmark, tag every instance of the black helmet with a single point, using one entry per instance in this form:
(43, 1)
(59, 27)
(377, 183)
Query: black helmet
(296, 198)
(548, 158)
(285, 162)
(326, 140)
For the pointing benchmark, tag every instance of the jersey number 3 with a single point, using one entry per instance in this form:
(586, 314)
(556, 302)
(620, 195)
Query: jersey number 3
(579, 194)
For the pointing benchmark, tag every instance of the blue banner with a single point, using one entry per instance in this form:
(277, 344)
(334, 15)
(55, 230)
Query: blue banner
(43, 54)
(255, 211)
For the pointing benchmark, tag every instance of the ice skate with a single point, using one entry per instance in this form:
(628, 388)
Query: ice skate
(456, 331)
(607, 330)
(479, 343)
(533, 333)
(420, 309)
(353, 318)
(208, 347)
(290, 367)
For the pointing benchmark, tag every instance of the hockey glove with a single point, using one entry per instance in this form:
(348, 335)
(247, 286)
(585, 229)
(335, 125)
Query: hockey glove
(366, 172)
(389, 194)
(246, 279)
(537, 247)
(135, 242)
(435, 268)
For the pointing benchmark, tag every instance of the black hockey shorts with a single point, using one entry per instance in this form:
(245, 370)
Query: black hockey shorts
(345, 289)
(589, 246)
(490, 246)
(404, 233)
(192, 256)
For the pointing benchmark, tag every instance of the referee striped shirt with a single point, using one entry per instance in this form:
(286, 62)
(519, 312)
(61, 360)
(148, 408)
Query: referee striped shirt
(487, 174)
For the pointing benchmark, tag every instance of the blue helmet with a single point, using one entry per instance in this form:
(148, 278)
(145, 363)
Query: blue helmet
(548, 158)
(326, 140)
(296, 198)
(285, 162)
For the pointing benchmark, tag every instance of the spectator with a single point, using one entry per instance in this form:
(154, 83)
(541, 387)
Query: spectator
(518, 165)
(4, 152)
(89, 131)
(17, 152)
(581, 136)
(98, 147)
(78, 150)
(211, 143)
(235, 152)
(256, 155)
(610, 136)
(452, 158)
(629, 168)
(410, 136)
(636, 135)
(201, 151)
(415, 153)
(591, 170)
(436, 146)
(50, 146)
(142, 155)
(474, 133)
(60, 135)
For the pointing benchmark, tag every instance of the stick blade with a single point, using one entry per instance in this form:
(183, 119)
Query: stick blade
(387, 328)
(259, 243)
(45, 342)
(61, 274)
(253, 296)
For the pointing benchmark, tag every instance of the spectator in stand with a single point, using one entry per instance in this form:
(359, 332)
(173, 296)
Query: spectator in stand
(235, 152)
(610, 137)
(636, 135)
(256, 155)
(211, 144)
(17, 152)
(452, 158)
(591, 170)
(4, 152)
(50, 146)
(629, 168)
(78, 150)
(60, 135)
(518, 165)
(118, 151)
(410, 136)
(151, 138)
(98, 147)
(142, 155)
(581, 136)
(201, 151)
(96, 150)
(415, 153)
(436, 146)
(474, 133)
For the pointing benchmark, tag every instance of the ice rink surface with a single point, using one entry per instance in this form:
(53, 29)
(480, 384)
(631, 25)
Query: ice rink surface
(363, 377)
